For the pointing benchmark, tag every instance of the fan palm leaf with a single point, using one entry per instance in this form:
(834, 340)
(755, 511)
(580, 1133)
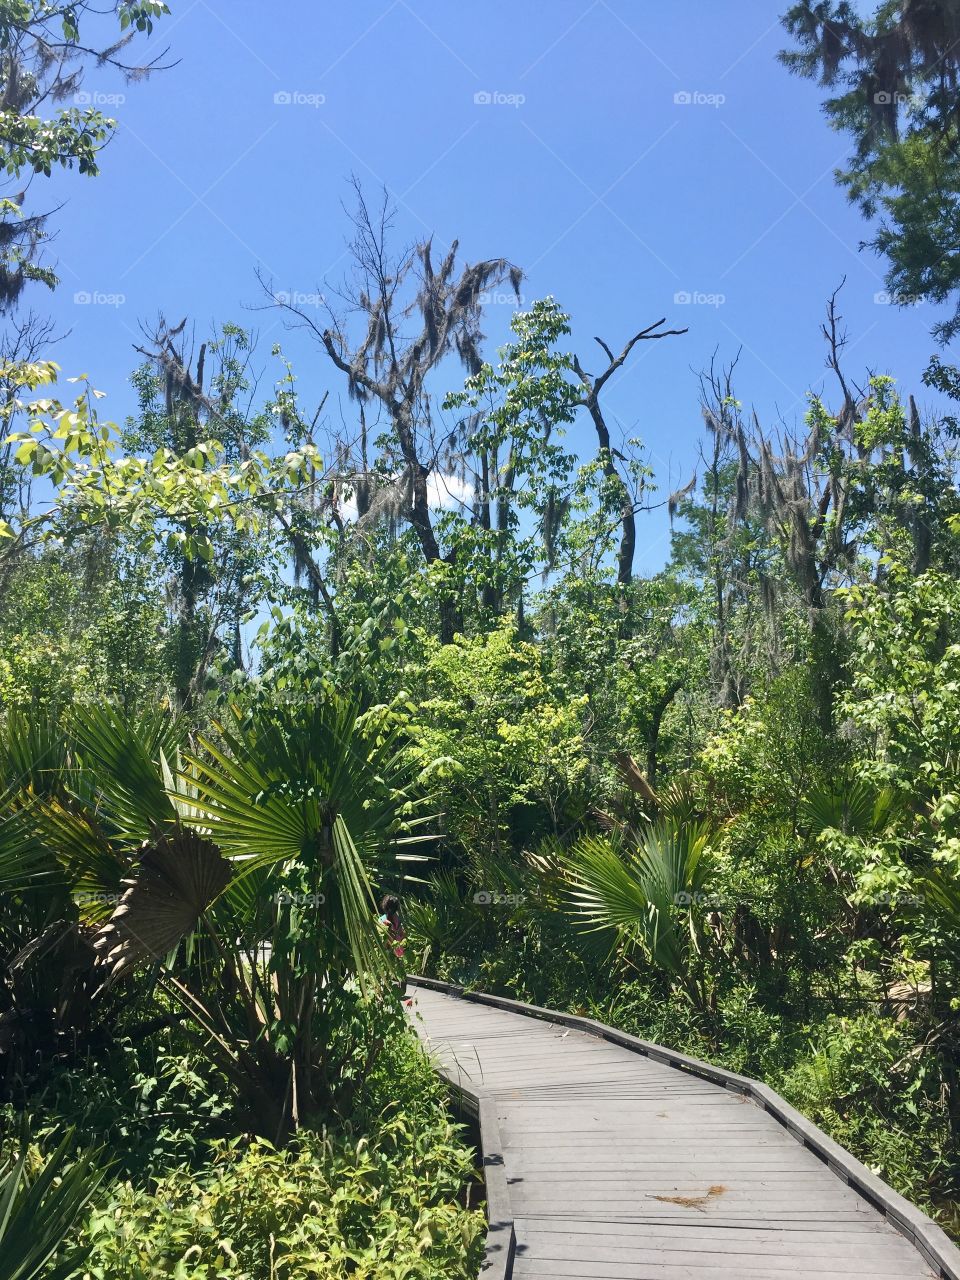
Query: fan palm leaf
(177, 878)
(606, 890)
(25, 861)
(438, 924)
(319, 788)
(34, 753)
(91, 864)
(123, 756)
(853, 807)
(645, 892)
(678, 803)
(942, 896)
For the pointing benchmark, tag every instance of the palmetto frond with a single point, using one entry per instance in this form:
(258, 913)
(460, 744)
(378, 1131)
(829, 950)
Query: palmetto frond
(678, 803)
(440, 923)
(942, 895)
(34, 762)
(605, 886)
(25, 861)
(33, 753)
(276, 777)
(854, 808)
(318, 788)
(124, 757)
(647, 892)
(177, 878)
(90, 863)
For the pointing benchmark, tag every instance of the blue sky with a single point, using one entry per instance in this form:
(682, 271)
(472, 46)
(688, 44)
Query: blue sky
(583, 166)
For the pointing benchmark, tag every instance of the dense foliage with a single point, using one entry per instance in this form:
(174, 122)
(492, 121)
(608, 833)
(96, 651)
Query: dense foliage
(259, 668)
(892, 78)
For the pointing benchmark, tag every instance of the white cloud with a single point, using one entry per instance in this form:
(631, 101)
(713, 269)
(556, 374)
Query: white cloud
(444, 493)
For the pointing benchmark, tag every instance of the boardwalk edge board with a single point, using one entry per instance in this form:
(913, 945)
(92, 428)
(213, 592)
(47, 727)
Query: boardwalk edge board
(501, 1241)
(931, 1241)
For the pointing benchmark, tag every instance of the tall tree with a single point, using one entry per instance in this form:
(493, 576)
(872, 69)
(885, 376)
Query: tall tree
(622, 493)
(414, 314)
(43, 57)
(893, 80)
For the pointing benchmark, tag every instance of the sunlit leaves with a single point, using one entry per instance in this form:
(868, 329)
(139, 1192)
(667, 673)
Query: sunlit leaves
(140, 14)
(175, 499)
(515, 413)
(73, 138)
(46, 47)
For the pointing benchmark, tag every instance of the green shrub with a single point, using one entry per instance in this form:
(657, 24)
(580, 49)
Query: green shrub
(379, 1198)
(325, 1206)
(864, 1081)
(152, 1106)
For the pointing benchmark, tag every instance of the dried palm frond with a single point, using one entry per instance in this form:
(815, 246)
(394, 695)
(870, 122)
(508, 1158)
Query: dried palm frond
(177, 879)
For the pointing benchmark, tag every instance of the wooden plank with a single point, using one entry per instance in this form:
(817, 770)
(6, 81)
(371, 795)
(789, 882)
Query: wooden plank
(745, 1244)
(602, 1268)
(620, 1160)
(635, 1229)
(700, 1261)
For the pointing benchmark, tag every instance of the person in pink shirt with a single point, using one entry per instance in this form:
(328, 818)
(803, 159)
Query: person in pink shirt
(390, 920)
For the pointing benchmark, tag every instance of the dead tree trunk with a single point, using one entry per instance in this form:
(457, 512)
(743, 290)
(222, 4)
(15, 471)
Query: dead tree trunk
(390, 366)
(590, 400)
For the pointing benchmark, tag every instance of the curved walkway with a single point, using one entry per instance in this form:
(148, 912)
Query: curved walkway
(607, 1158)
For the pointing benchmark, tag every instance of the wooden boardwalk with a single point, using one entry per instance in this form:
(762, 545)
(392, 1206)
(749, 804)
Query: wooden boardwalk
(605, 1161)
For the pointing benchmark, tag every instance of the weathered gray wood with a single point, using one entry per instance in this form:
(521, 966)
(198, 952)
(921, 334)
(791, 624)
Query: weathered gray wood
(608, 1157)
(745, 1243)
(501, 1236)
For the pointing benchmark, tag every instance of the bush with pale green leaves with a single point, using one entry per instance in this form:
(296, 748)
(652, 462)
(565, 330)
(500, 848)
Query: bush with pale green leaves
(370, 1209)
(504, 746)
(378, 1198)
